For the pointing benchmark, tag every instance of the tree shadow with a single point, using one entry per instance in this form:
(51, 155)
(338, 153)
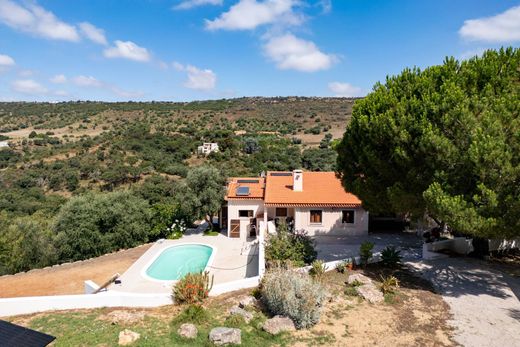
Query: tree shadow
(515, 314)
(454, 277)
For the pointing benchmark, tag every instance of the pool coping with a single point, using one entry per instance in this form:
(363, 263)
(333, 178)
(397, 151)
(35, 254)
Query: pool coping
(144, 275)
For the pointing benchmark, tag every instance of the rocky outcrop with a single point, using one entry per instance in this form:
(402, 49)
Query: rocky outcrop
(222, 336)
(370, 293)
(278, 324)
(247, 300)
(359, 278)
(127, 337)
(241, 312)
(188, 331)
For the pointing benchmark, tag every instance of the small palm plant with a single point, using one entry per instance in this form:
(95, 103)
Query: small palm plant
(317, 270)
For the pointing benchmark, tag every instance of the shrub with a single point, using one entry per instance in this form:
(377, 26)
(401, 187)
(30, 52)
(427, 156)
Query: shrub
(194, 314)
(193, 288)
(389, 285)
(343, 266)
(365, 251)
(294, 295)
(318, 269)
(390, 257)
(297, 247)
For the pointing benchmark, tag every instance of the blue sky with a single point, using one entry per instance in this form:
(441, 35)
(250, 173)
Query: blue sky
(204, 49)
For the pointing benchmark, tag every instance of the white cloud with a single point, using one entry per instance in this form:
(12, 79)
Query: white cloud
(249, 14)
(87, 81)
(28, 87)
(59, 79)
(188, 4)
(25, 73)
(35, 20)
(61, 93)
(471, 53)
(345, 89)
(93, 33)
(504, 27)
(290, 52)
(198, 79)
(6, 60)
(127, 50)
(92, 82)
(326, 5)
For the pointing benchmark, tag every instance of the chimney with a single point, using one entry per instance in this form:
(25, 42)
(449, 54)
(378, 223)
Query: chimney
(298, 180)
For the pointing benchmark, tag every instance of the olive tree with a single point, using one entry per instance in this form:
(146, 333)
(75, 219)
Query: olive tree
(202, 193)
(444, 141)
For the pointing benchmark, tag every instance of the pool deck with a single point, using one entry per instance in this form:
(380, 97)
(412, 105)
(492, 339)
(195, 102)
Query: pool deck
(232, 260)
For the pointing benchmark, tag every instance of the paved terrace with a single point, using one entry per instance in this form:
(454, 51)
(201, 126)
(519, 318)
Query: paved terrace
(232, 261)
(332, 248)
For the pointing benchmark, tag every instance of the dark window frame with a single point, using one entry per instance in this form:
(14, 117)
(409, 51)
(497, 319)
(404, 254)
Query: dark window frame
(315, 213)
(247, 214)
(281, 215)
(351, 219)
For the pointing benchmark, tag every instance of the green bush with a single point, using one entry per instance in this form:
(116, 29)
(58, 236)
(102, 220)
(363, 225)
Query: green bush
(194, 314)
(317, 271)
(192, 288)
(94, 224)
(365, 251)
(297, 248)
(390, 256)
(389, 285)
(294, 295)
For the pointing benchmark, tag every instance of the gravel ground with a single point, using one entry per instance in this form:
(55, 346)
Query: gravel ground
(484, 301)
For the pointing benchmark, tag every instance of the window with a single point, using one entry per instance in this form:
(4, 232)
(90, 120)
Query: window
(316, 216)
(281, 212)
(347, 216)
(245, 213)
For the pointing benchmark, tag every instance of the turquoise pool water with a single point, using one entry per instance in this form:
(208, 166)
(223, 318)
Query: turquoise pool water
(176, 261)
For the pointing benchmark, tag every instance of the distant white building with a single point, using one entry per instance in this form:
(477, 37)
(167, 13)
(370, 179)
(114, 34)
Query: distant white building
(4, 144)
(207, 148)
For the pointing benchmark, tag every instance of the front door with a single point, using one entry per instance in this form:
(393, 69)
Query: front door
(234, 230)
(223, 217)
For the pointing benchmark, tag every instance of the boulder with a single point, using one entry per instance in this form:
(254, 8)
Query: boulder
(370, 293)
(247, 300)
(224, 336)
(188, 331)
(278, 324)
(127, 337)
(359, 278)
(241, 312)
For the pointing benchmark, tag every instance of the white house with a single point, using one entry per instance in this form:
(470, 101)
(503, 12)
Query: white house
(207, 148)
(312, 201)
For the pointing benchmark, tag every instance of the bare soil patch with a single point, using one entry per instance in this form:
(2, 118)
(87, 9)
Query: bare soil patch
(68, 278)
(415, 316)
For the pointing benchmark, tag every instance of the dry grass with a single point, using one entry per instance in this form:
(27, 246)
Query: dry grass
(68, 278)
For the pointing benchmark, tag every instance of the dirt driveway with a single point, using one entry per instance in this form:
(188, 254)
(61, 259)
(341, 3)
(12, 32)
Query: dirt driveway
(484, 301)
(68, 278)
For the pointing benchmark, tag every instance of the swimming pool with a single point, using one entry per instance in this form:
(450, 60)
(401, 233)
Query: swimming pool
(176, 261)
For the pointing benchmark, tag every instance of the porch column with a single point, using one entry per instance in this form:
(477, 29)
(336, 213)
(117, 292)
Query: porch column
(265, 216)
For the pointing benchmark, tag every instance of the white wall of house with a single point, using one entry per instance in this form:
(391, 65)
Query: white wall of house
(234, 206)
(331, 221)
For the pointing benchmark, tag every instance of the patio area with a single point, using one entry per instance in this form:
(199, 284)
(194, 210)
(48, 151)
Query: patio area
(332, 248)
(233, 260)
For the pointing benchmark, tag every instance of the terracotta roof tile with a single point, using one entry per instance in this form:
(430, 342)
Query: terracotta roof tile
(256, 190)
(319, 188)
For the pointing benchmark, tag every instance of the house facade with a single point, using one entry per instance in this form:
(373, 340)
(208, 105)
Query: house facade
(207, 148)
(312, 201)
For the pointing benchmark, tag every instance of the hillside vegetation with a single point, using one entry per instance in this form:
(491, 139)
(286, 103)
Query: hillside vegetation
(86, 152)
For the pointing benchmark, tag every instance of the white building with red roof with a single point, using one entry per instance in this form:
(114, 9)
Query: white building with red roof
(312, 201)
